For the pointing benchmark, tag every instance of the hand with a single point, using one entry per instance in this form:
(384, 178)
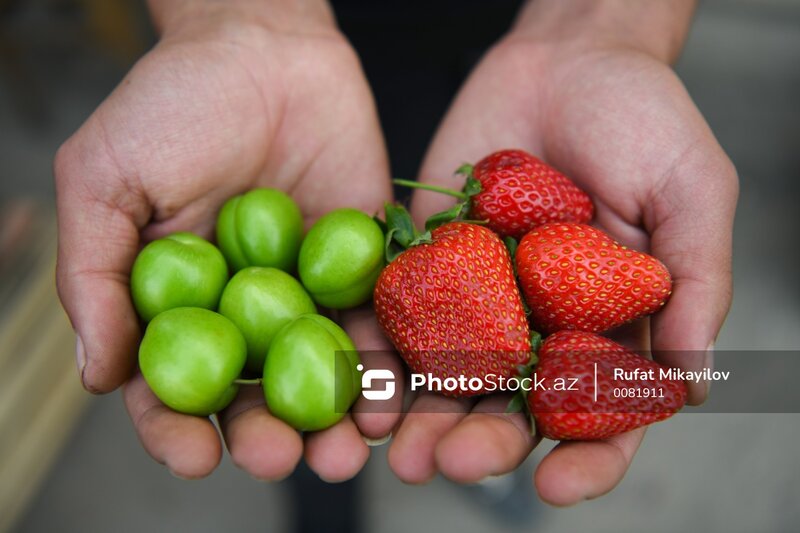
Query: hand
(614, 117)
(225, 102)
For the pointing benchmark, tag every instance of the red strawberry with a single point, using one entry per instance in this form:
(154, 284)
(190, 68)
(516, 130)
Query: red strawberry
(577, 414)
(451, 307)
(514, 192)
(574, 276)
(503, 158)
(520, 192)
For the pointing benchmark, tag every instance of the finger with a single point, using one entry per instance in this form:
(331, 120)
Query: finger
(374, 418)
(487, 442)
(693, 236)
(412, 452)
(338, 453)
(575, 471)
(260, 444)
(189, 446)
(98, 219)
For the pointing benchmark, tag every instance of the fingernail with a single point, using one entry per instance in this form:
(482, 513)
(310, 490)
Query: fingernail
(377, 442)
(708, 362)
(80, 355)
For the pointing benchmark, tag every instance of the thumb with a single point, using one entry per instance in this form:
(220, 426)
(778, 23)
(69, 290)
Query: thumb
(693, 236)
(98, 217)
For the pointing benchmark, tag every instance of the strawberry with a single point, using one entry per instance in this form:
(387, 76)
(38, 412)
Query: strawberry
(574, 276)
(503, 159)
(576, 414)
(451, 307)
(513, 191)
(520, 192)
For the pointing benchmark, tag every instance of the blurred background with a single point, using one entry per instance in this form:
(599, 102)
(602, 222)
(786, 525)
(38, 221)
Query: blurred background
(71, 462)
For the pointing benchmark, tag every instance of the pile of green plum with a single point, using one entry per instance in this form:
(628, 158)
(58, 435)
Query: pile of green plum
(207, 331)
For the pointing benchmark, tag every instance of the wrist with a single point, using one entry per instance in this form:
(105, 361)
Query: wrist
(655, 27)
(186, 17)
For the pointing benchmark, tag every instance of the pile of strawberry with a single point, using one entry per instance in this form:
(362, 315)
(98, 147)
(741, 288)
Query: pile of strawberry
(458, 300)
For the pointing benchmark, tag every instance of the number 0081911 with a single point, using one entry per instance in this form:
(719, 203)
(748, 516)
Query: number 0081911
(638, 392)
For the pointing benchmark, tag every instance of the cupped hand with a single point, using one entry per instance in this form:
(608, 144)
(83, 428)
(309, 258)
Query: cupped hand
(215, 109)
(621, 124)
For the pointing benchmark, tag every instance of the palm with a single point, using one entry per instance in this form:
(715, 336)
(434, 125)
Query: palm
(235, 120)
(622, 126)
(633, 138)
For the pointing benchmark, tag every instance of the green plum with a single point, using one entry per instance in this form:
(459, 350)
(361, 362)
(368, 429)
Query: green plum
(260, 301)
(190, 358)
(180, 270)
(311, 375)
(341, 258)
(263, 227)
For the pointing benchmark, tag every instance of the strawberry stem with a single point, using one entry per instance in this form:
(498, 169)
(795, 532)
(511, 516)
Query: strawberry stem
(399, 229)
(428, 187)
(245, 381)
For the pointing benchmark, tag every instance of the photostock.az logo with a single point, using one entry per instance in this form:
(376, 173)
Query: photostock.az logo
(377, 374)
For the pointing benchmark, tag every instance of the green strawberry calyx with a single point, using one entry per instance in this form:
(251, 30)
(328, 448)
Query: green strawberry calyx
(461, 210)
(519, 401)
(399, 231)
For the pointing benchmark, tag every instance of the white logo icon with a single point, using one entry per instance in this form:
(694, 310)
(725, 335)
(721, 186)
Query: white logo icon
(377, 374)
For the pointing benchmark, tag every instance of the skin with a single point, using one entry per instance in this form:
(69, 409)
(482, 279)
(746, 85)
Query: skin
(583, 83)
(181, 270)
(190, 358)
(310, 375)
(341, 258)
(260, 301)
